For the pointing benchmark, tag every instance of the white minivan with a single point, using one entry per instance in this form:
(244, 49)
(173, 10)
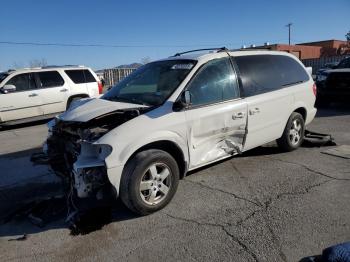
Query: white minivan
(37, 93)
(178, 114)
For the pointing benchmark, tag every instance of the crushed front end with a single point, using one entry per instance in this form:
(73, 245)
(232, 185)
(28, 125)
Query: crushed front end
(74, 156)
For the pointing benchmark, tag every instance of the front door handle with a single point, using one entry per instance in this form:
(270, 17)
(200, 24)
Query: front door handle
(254, 111)
(64, 90)
(33, 94)
(238, 115)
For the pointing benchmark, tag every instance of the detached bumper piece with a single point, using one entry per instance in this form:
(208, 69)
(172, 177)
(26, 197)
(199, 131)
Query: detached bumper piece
(314, 139)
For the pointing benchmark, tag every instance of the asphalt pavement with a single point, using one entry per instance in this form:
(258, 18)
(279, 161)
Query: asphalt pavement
(262, 206)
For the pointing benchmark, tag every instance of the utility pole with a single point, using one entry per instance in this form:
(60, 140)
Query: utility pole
(289, 25)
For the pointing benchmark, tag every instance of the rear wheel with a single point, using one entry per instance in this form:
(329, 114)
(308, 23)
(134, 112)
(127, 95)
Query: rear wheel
(149, 181)
(293, 134)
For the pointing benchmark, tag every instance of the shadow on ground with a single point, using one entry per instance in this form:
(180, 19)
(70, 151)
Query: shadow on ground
(24, 125)
(27, 199)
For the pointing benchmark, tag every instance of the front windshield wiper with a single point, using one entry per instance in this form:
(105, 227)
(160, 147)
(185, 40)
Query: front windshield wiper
(128, 100)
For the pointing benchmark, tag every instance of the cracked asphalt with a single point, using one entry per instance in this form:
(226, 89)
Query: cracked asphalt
(262, 206)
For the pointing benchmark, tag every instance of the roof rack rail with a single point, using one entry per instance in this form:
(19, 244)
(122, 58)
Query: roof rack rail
(219, 49)
(57, 66)
(251, 48)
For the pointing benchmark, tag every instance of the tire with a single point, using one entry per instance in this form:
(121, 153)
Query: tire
(293, 134)
(158, 173)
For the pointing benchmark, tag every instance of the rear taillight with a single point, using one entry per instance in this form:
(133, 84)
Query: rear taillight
(100, 87)
(314, 88)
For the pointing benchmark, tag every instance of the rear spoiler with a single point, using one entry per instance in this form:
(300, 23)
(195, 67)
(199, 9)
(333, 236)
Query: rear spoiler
(309, 70)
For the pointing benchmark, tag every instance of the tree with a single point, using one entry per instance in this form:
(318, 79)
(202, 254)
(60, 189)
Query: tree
(348, 36)
(37, 62)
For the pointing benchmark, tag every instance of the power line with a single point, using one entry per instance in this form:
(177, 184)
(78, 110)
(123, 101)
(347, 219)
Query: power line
(101, 45)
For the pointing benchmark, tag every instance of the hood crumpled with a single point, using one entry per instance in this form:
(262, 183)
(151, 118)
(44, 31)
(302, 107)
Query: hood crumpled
(86, 109)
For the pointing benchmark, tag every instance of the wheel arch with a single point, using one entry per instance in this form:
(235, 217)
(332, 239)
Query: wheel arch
(171, 148)
(302, 111)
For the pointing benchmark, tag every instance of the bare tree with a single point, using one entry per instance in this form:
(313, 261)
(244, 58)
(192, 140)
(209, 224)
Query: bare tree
(145, 60)
(37, 62)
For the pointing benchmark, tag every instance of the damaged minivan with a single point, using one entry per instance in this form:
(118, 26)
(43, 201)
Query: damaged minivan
(175, 115)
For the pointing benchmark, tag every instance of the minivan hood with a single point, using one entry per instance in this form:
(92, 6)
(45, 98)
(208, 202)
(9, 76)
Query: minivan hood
(86, 109)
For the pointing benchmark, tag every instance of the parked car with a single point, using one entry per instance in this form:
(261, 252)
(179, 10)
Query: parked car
(327, 66)
(334, 84)
(37, 93)
(178, 114)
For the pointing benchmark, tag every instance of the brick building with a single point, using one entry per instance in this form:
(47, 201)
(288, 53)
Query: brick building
(312, 49)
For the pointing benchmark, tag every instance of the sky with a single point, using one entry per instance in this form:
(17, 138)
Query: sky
(128, 31)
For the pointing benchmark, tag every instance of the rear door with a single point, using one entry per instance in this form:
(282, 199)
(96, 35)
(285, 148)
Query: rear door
(269, 83)
(216, 118)
(53, 91)
(24, 102)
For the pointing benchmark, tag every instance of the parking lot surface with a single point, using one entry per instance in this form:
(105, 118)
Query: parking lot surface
(262, 206)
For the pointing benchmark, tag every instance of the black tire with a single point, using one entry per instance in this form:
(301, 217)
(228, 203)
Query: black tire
(133, 173)
(286, 142)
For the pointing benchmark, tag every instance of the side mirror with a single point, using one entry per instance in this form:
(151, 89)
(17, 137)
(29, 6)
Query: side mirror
(8, 89)
(183, 101)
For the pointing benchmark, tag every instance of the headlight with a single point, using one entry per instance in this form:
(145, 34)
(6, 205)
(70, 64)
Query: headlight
(50, 126)
(90, 150)
(321, 77)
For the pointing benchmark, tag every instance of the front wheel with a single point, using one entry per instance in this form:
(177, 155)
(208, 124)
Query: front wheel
(293, 134)
(149, 181)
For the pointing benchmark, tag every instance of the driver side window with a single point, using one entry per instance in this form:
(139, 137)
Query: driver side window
(215, 82)
(23, 82)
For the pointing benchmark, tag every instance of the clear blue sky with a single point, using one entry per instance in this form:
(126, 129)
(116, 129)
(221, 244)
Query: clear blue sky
(156, 28)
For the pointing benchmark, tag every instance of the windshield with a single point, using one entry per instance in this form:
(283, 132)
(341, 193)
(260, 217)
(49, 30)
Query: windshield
(152, 83)
(3, 76)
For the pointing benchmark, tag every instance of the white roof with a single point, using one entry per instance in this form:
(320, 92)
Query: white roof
(44, 68)
(202, 57)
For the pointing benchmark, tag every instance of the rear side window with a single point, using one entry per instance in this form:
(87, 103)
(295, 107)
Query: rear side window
(50, 79)
(80, 76)
(265, 73)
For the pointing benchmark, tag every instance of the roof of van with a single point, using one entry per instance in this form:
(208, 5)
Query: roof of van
(220, 53)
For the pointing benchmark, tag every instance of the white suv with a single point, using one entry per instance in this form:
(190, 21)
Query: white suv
(178, 114)
(36, 93)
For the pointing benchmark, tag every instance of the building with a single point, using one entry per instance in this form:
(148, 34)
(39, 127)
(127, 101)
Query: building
(312, 49)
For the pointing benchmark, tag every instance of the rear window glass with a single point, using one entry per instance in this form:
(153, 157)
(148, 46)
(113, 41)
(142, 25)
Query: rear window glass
(50, 79)
(265, 73)
(80, 76)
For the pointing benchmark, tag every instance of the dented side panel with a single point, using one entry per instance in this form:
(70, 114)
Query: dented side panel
(216, 131)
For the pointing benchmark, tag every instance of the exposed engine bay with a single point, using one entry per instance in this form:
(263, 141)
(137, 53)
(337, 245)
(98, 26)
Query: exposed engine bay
(70, 152)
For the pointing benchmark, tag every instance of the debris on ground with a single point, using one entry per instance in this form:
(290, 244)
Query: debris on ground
(342, 151)
(314, 139)
(19, 238)
(40, 212)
